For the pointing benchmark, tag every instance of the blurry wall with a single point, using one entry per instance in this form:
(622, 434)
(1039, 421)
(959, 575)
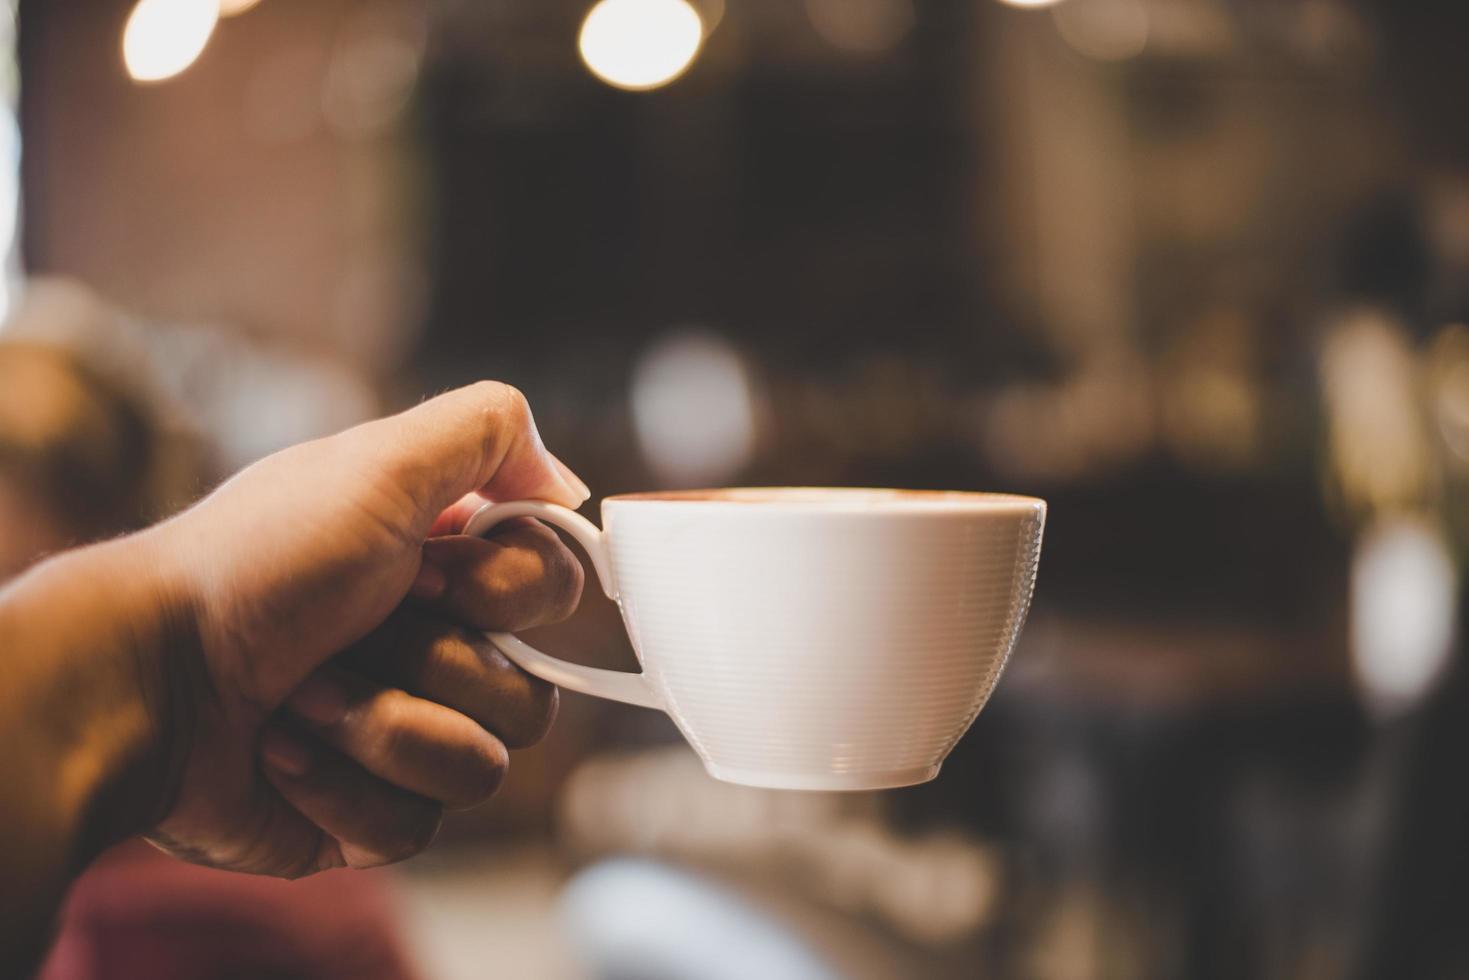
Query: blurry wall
(266, 191)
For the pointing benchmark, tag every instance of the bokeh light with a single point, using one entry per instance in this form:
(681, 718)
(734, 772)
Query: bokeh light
(861, 26)
(10, 270)
(164, 37)
(1403, 617)
(1106, 30)
(9, 205)
(372, 72)
(631, 912)
(1379, 449)
(1031, 4)
(693, 409)
(640, 44)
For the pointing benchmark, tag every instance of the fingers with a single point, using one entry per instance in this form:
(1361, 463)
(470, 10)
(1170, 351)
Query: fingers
(461, 670)
(479, 438)
(374, 766)
(373, 822)
(413, 743)
(521, 577)
(453, 518)
(574, 481)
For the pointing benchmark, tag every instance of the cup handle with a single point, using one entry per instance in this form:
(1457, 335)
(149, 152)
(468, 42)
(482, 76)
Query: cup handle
(615, 685)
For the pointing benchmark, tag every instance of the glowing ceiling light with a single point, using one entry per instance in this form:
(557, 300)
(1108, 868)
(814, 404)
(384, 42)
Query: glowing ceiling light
(1030, 3)
(640, 44)
(163, 37)
(228, 8)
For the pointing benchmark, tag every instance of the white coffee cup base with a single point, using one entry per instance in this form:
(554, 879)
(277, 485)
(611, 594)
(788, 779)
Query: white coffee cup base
(826, 781)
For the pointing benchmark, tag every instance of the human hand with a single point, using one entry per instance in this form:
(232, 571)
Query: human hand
(314, 718)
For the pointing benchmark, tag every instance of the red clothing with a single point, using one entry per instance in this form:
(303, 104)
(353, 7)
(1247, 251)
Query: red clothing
(140, 914)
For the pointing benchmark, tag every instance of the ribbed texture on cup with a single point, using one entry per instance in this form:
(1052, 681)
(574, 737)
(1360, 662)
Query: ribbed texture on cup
(824, 643)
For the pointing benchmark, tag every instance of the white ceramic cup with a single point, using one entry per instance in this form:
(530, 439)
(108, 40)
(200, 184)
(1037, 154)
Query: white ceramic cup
(803, 638)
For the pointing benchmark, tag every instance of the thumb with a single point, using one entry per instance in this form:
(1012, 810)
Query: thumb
(478, 438)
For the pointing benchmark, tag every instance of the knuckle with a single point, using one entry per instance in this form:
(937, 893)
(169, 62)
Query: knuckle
(487, 390)
(531, 533)
(553, 572)
(498, 410)
(509, 401)
(436, 655)
(533, 582)
(518, 566)
(389, 727)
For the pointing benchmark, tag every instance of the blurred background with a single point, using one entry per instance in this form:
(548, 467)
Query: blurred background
(1196, 271)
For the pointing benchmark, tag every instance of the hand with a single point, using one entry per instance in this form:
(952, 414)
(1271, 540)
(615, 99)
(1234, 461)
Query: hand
(314, 718)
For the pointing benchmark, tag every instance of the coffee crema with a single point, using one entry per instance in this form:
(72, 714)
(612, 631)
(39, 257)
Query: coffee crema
(827, 497)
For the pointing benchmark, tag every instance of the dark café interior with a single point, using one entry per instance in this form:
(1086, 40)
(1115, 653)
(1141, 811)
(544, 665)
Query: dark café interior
(1196, 272)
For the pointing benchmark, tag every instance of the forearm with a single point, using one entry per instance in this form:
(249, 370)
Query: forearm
(84, 711)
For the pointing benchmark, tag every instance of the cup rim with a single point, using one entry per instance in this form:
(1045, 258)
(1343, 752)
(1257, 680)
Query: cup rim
(880, 500)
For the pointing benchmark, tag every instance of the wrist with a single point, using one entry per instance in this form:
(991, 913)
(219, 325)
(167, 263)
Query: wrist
(158, 639)
(104, 635)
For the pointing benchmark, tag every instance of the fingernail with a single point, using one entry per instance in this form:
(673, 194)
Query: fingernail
(284, 752)
(319, 700)
(430, 583)
(572, 481)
